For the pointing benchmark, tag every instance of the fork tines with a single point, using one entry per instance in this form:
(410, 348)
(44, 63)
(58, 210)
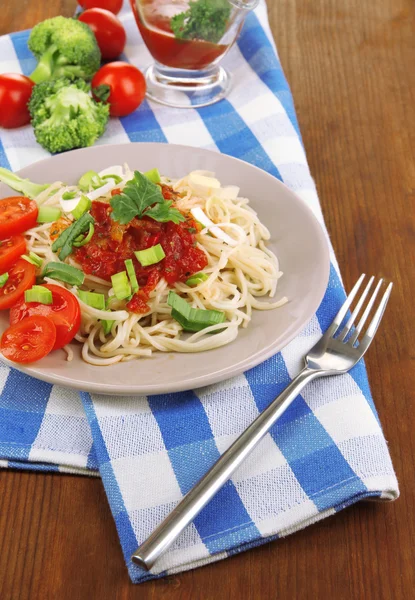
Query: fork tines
(350, 327)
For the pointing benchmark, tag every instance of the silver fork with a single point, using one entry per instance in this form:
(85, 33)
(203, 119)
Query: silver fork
(332, 355)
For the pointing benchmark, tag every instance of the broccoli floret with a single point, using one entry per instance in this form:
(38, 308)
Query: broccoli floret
(64, 48)
(204, 20)
(65, 116)
(26, 187)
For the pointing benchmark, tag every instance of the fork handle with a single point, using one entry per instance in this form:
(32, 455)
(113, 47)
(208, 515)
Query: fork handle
(204, 490)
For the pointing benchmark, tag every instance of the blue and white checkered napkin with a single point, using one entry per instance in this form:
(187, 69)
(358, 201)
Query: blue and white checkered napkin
(326, 452)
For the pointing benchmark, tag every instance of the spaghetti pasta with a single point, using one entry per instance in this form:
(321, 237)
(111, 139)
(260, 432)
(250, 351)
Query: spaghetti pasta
(239, 275)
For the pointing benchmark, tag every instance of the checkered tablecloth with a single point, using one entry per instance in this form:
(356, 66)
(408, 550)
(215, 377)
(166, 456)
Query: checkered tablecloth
(328, 450)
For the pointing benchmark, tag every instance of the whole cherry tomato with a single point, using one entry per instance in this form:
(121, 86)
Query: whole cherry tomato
(15, 91)
(108, 30)
(113, 6)
(120, 84)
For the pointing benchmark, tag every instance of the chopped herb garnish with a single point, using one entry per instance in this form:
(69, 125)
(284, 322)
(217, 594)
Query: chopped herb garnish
(143, 198)
(204, 20)
(66, 239)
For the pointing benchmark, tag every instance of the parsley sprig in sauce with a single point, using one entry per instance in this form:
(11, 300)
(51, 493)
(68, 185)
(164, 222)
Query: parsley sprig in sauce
(204, 20)
(143, 198)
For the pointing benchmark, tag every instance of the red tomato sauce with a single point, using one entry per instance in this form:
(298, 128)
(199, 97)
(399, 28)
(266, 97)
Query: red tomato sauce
(153, 20)
(113, 243)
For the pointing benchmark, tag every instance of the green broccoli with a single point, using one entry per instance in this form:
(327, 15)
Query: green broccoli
(65, 116)
(204, 20)
(24, 186)
(64, 48)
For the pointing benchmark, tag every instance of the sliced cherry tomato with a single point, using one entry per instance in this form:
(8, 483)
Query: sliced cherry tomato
(108, 30)
(10, 250)
(29, 340)
(15, 92)
(112, 5)
(120, 84)
(17, 214)
(64, 311)
(21, 278)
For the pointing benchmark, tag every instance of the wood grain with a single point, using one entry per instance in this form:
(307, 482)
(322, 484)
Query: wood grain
(350, 66)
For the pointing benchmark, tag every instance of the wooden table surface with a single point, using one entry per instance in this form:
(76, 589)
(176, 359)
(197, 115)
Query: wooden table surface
(351, 68)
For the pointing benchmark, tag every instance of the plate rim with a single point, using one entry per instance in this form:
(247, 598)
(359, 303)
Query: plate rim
(207, 379)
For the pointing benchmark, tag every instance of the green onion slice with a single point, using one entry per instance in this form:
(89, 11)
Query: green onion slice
(116, 178)
(82, 240)
(3, 279)
(193, 319)
(33, 258)
(66, 239)
(153, 175)
(38, 293)
(106, 325)
(121, 285)
(197, 278)
(48, 214)
(92, 299)
(151, 256)
(131, 275)
(64, 272)
(90, 179)
(82, 207)
(69, 195)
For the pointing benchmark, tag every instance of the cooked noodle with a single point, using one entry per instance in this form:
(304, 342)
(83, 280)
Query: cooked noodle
(239, 277)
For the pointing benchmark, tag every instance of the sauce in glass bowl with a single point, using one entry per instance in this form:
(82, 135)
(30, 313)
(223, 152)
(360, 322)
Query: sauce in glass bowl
(153, 18)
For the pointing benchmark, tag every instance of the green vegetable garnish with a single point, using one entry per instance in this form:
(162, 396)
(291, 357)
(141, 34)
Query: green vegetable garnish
(193, 319)
(141, 197)
(48, 214)
(204, 20)
(82, 240)
(106, 325)
(64, 48)
(66, 239)
(153, 175)
(197, 278)
(131, 274)
(82, 207)
(33, 258)
(64, 272)
(65, 116)
(92, 299)
(39, 294)
(116, 178)
(69, 195)
(150, 256)
(26, 187)
(90, 179)
(3, 279)
(121, 285)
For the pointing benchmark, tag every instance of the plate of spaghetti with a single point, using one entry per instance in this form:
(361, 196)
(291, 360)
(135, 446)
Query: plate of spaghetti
(151, 268)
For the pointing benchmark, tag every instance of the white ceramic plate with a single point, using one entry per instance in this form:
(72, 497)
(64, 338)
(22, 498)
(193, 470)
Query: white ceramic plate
(297, 239)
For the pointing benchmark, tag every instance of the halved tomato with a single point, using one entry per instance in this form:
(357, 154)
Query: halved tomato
(10, 250)
(29, 340)
(21, 278)
(17, 214)
(64, 311)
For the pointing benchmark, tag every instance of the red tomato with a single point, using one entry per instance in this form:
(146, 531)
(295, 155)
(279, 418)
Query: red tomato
(17, 214)
(15, 91)
(10, 250)
(29, 340)
(64, 311)
(21, 278)
(122, 85)
(108, 30)
(113, 6)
